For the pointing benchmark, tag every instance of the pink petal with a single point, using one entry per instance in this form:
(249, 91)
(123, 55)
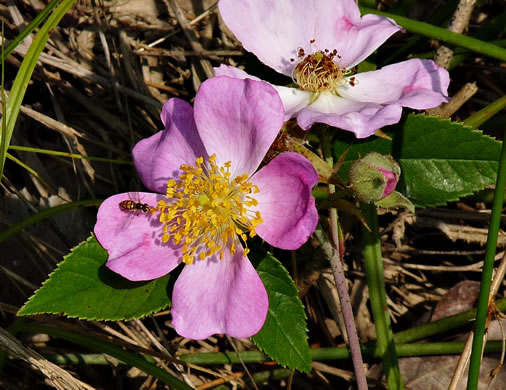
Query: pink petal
(391, 179)
(132, 238)
(238, 120)
(415, 83)
(285, 201)
(293, 99)
(339, 26)
(219, 296)
(159, 157)
(363, 119)
(272, 30)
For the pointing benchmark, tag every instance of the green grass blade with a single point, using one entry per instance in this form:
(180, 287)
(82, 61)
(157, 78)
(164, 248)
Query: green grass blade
(69, 155)
(6, 233)
(444, 35)
(29, 29)
(17, 93)
(486, 276)
(4, 119)
(28, 168)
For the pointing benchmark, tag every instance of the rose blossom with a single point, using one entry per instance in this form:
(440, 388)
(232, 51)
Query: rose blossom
(208, 197)
(317, 43)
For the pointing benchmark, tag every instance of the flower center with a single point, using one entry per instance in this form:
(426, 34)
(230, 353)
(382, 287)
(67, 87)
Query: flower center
(318, 72)
(208, 210)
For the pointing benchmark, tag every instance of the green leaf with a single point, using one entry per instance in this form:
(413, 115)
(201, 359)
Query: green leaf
(441, 160)
(83, 287)
(284, 335)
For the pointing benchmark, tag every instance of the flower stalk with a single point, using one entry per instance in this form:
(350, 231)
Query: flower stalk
(340, 278)
(376, 283)
(486, 276)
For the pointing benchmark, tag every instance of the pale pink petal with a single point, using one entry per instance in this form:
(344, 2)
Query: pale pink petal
(363, 119)
(232, 71)
(272, 30)
(132, 238)
(275, 30)
(285, 201)
(238, 120)
(159, 157)
(293, 99)
(415, 83)
(219, 296)
(339, 26)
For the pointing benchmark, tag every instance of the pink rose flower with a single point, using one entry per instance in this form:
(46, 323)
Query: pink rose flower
(208, 196)
(317, 43)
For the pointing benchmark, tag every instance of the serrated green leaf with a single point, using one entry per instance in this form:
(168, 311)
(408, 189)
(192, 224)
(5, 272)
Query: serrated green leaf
(441, 160)
(83, 287)
(284, 335)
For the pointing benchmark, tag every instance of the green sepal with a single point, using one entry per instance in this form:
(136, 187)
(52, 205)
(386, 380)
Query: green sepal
(395, 201)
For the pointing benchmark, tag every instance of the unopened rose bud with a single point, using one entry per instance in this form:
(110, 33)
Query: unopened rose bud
(374, 177)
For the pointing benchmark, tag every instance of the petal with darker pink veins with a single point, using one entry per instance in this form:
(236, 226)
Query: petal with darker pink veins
(219, 296)
(159, 157)
(132, 238)
(238, 120)
(285, 201)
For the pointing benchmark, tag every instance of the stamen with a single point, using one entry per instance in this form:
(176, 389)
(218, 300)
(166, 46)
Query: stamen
(208, 210)
(319, 72)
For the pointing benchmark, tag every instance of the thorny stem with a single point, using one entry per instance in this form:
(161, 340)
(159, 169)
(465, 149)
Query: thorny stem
(338, 272)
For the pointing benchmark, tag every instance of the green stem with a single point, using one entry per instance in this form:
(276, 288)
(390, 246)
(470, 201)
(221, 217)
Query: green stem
(486, 276)
(336, 353)
(374, 270)
(441, 326)
(96, 344)
(443, 35)
(401, 338)
(485, 113)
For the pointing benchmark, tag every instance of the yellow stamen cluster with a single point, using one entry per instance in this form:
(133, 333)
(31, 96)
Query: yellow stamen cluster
(318, 72)
(208, 210)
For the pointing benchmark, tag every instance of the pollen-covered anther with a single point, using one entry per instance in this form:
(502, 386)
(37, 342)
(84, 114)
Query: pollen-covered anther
(318, 72)
(208, 210)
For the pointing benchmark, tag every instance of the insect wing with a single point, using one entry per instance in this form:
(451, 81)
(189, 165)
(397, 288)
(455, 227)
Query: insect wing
(129, 206)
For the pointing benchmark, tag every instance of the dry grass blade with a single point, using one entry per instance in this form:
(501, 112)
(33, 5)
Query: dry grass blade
(55, 376)
(192, 38)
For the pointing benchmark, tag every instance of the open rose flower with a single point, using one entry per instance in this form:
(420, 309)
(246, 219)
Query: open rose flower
(317, 43)
(207, 198)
